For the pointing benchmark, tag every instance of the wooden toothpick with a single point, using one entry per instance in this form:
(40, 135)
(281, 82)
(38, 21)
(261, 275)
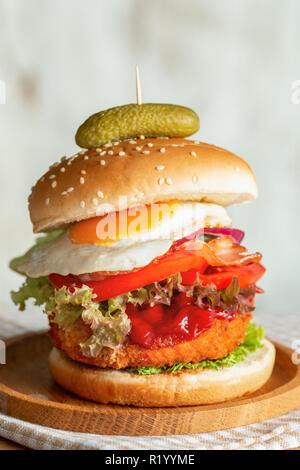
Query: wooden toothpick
(138, 86)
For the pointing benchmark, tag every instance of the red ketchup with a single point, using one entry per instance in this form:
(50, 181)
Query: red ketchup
(163, 326)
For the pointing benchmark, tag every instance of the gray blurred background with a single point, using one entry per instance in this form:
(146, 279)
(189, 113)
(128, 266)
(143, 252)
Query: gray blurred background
(234, 62)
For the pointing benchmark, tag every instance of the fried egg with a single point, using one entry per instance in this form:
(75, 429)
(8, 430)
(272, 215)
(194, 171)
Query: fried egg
(134, 249)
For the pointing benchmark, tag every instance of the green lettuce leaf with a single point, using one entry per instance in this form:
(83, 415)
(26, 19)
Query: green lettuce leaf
(230, 293)
(230, 299)
(107, 320)
(39, 241)
(253, 341)
(39, 289)
(68, 306)
(109, 323)
(109, 334)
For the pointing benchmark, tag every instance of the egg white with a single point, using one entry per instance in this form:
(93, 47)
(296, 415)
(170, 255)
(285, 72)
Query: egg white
(63, 257)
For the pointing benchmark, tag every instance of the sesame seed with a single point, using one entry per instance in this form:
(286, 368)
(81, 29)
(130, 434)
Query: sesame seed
(69, 162)
(110, 152)
(83, 172)
(52, 177)
(103, 153)
(161, 180)
(146, 152)
(122, 154)
(160, 167)
(195, 179)
(169, 181)
(132, 142)
(69, 190)
(100, 194)
(162, 150)
(82, 152)
(95, 201)
(116, 143)
(62, 169)
(99, 150)
(64, 193)
(108, 145)
(82, 204)
(174, 145)
(47, 201)
(150, 144)
(142, 137)
(86, 157)
(138, 149)
(193, 154)
(82, 180)
(54, 184)
(103, 162)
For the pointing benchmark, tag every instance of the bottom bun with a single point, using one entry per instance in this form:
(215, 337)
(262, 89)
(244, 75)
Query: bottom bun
(186, 387)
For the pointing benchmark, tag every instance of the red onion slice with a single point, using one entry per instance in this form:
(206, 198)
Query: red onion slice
(235, 233)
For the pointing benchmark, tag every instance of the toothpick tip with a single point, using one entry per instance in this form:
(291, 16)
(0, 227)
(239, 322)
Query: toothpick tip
(138, 86)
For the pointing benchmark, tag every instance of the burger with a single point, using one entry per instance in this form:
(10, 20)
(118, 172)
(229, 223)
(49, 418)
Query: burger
(147, 287)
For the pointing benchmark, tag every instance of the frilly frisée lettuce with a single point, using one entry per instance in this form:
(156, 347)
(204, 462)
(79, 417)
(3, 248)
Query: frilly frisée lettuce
(107, 320)
(38, 289)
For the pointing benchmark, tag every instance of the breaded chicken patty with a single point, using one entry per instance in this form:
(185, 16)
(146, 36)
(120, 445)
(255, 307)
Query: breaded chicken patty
(216, 343)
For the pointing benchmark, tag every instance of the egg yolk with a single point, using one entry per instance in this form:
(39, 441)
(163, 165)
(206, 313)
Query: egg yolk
(116, 226)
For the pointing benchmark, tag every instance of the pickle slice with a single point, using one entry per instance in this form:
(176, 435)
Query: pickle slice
(134, 120)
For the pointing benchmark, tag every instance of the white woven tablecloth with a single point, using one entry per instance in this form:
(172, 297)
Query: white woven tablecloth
(279, 433)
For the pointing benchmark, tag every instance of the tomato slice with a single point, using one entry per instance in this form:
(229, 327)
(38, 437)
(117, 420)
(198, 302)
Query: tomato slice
(221, 277)
(161, 268)
(189, 266)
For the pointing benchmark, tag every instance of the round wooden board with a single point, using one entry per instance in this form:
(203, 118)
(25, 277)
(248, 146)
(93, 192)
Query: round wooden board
(28, 392)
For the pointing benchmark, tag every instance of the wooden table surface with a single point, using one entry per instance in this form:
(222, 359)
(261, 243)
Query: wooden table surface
(8, 445)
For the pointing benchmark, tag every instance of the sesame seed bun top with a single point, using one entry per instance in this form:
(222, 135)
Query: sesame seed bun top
(140, 171)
